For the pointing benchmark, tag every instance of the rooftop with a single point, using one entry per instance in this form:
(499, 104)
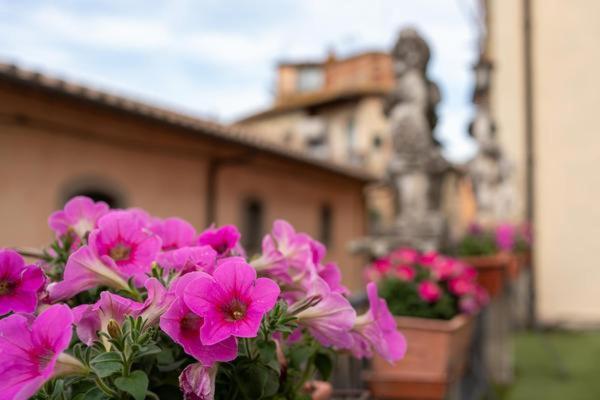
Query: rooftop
(231, 134)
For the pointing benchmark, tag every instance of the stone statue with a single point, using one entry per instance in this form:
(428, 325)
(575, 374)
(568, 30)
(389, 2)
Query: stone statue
(417, 168)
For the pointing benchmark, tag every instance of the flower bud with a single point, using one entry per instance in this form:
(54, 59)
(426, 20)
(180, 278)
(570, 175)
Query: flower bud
(113, 329)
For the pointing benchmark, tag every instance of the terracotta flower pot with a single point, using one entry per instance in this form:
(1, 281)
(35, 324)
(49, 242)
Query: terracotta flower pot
(493, 270)
(319, 390)
(436, 357)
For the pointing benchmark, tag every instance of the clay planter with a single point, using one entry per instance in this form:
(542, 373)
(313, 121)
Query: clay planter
(436, 358)
(524, 259)
(493, 270)
(319, 390)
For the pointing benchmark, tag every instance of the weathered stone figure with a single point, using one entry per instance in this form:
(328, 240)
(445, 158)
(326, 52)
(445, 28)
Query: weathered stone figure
(417, 166)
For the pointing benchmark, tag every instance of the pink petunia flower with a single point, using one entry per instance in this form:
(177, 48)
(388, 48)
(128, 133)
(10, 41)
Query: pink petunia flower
(288, 256)
(197, 382)
(189, 259)
(405, 256)
(505, 237)
(232, 301)
(157, 302)
(32, 351)
(376, 330)
(332, 275)
(224, 240)
(79, 216)
(429, 291)
(174, 232)
(19, 283)
(85, 270)
(123, 236)
(461, 286)
(331, 319)
(91, 318)
(405, 272)
(183, 326)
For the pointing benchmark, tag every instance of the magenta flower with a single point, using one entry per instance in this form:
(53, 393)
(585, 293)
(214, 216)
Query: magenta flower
(429, 291)
(197, 382)
(174, 232)
(376, 330)
(232, 301)
(183, 326)
(32, 351)
(332, 275)
(288, 256)
(91, 318)
(405, 256)
(85, 270)
(331, 319)
(505, 237)
(405, 273)
(79, 216)
(382, 265)
(224, 240)
(188, 259)
(19, 283)
(123, 236)
(461, 286)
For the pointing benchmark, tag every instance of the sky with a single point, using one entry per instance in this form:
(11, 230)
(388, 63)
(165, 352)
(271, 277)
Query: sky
(216, 59)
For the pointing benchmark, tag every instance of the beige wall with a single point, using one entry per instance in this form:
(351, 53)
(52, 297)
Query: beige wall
(507, 95)
(566, 95)
(47, 143)
(567, 154)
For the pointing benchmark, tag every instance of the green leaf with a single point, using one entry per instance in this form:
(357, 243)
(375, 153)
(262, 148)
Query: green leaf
(148, 351)
(106, 364)
(135, 384)
(257, 381)
(324, 365)
(94, 394)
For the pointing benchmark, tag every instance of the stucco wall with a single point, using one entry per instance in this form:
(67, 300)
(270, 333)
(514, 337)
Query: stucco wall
(47, 143)
(567, 153)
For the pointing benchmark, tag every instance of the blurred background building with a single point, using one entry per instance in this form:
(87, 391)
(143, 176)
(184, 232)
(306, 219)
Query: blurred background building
(543, 59)
(59, 140)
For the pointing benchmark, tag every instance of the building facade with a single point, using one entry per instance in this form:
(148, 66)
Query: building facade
(333, 109)
(58, 140)
(545, 91)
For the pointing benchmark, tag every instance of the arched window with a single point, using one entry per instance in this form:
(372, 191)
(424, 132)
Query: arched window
(252, 225)
(95, 188)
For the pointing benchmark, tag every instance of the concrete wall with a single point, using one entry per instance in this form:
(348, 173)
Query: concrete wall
(48, 144)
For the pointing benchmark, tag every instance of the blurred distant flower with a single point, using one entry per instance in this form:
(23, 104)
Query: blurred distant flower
(505, 237)
(174, 232)
(429, 291)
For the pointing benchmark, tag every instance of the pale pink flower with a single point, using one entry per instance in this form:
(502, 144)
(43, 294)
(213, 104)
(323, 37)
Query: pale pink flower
(232, 301)
(174, 232)
(19, 283)
(468, 304)
(79, 216)
(376, 330)
(332, 275)
(197, 382)
(91, 318)
(31, 351)
(331, 319)
(183, 326)
(123, 236)
(429, 291)
(158, 300)
(85, 270)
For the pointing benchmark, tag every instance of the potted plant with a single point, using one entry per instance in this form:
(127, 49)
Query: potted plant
(128, 306)
(433, 298)
(483, 249)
